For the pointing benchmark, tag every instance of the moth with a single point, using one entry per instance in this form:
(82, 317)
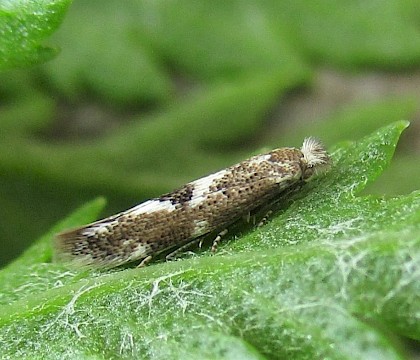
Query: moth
(204, 206)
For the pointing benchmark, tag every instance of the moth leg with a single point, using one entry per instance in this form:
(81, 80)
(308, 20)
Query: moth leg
(217, 240)
(177, 251)
(145, 261)
(264, 219)
(247, 217)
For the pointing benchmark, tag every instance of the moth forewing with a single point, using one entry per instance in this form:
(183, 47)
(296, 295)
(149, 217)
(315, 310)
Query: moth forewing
(203, 206)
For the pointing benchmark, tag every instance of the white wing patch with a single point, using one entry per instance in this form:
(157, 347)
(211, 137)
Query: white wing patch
(201, 187)
(93, 229)
(151, 206)
(147, 207)
(257, 160)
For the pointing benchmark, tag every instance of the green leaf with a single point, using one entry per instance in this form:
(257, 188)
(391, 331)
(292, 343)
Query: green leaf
(331, 276)
(23, 25)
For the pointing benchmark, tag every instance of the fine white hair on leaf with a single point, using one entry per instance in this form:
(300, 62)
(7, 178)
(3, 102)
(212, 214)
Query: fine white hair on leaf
(314, 152)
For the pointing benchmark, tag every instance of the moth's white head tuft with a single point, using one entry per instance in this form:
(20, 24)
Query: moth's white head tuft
(315, 156)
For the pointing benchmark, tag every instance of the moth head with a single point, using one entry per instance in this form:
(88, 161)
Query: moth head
(315, 158)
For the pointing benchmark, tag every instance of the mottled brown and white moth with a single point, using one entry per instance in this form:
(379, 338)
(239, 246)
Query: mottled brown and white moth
(198, 208)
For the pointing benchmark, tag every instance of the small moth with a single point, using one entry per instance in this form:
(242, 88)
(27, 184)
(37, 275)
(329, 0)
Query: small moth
(198, 208)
